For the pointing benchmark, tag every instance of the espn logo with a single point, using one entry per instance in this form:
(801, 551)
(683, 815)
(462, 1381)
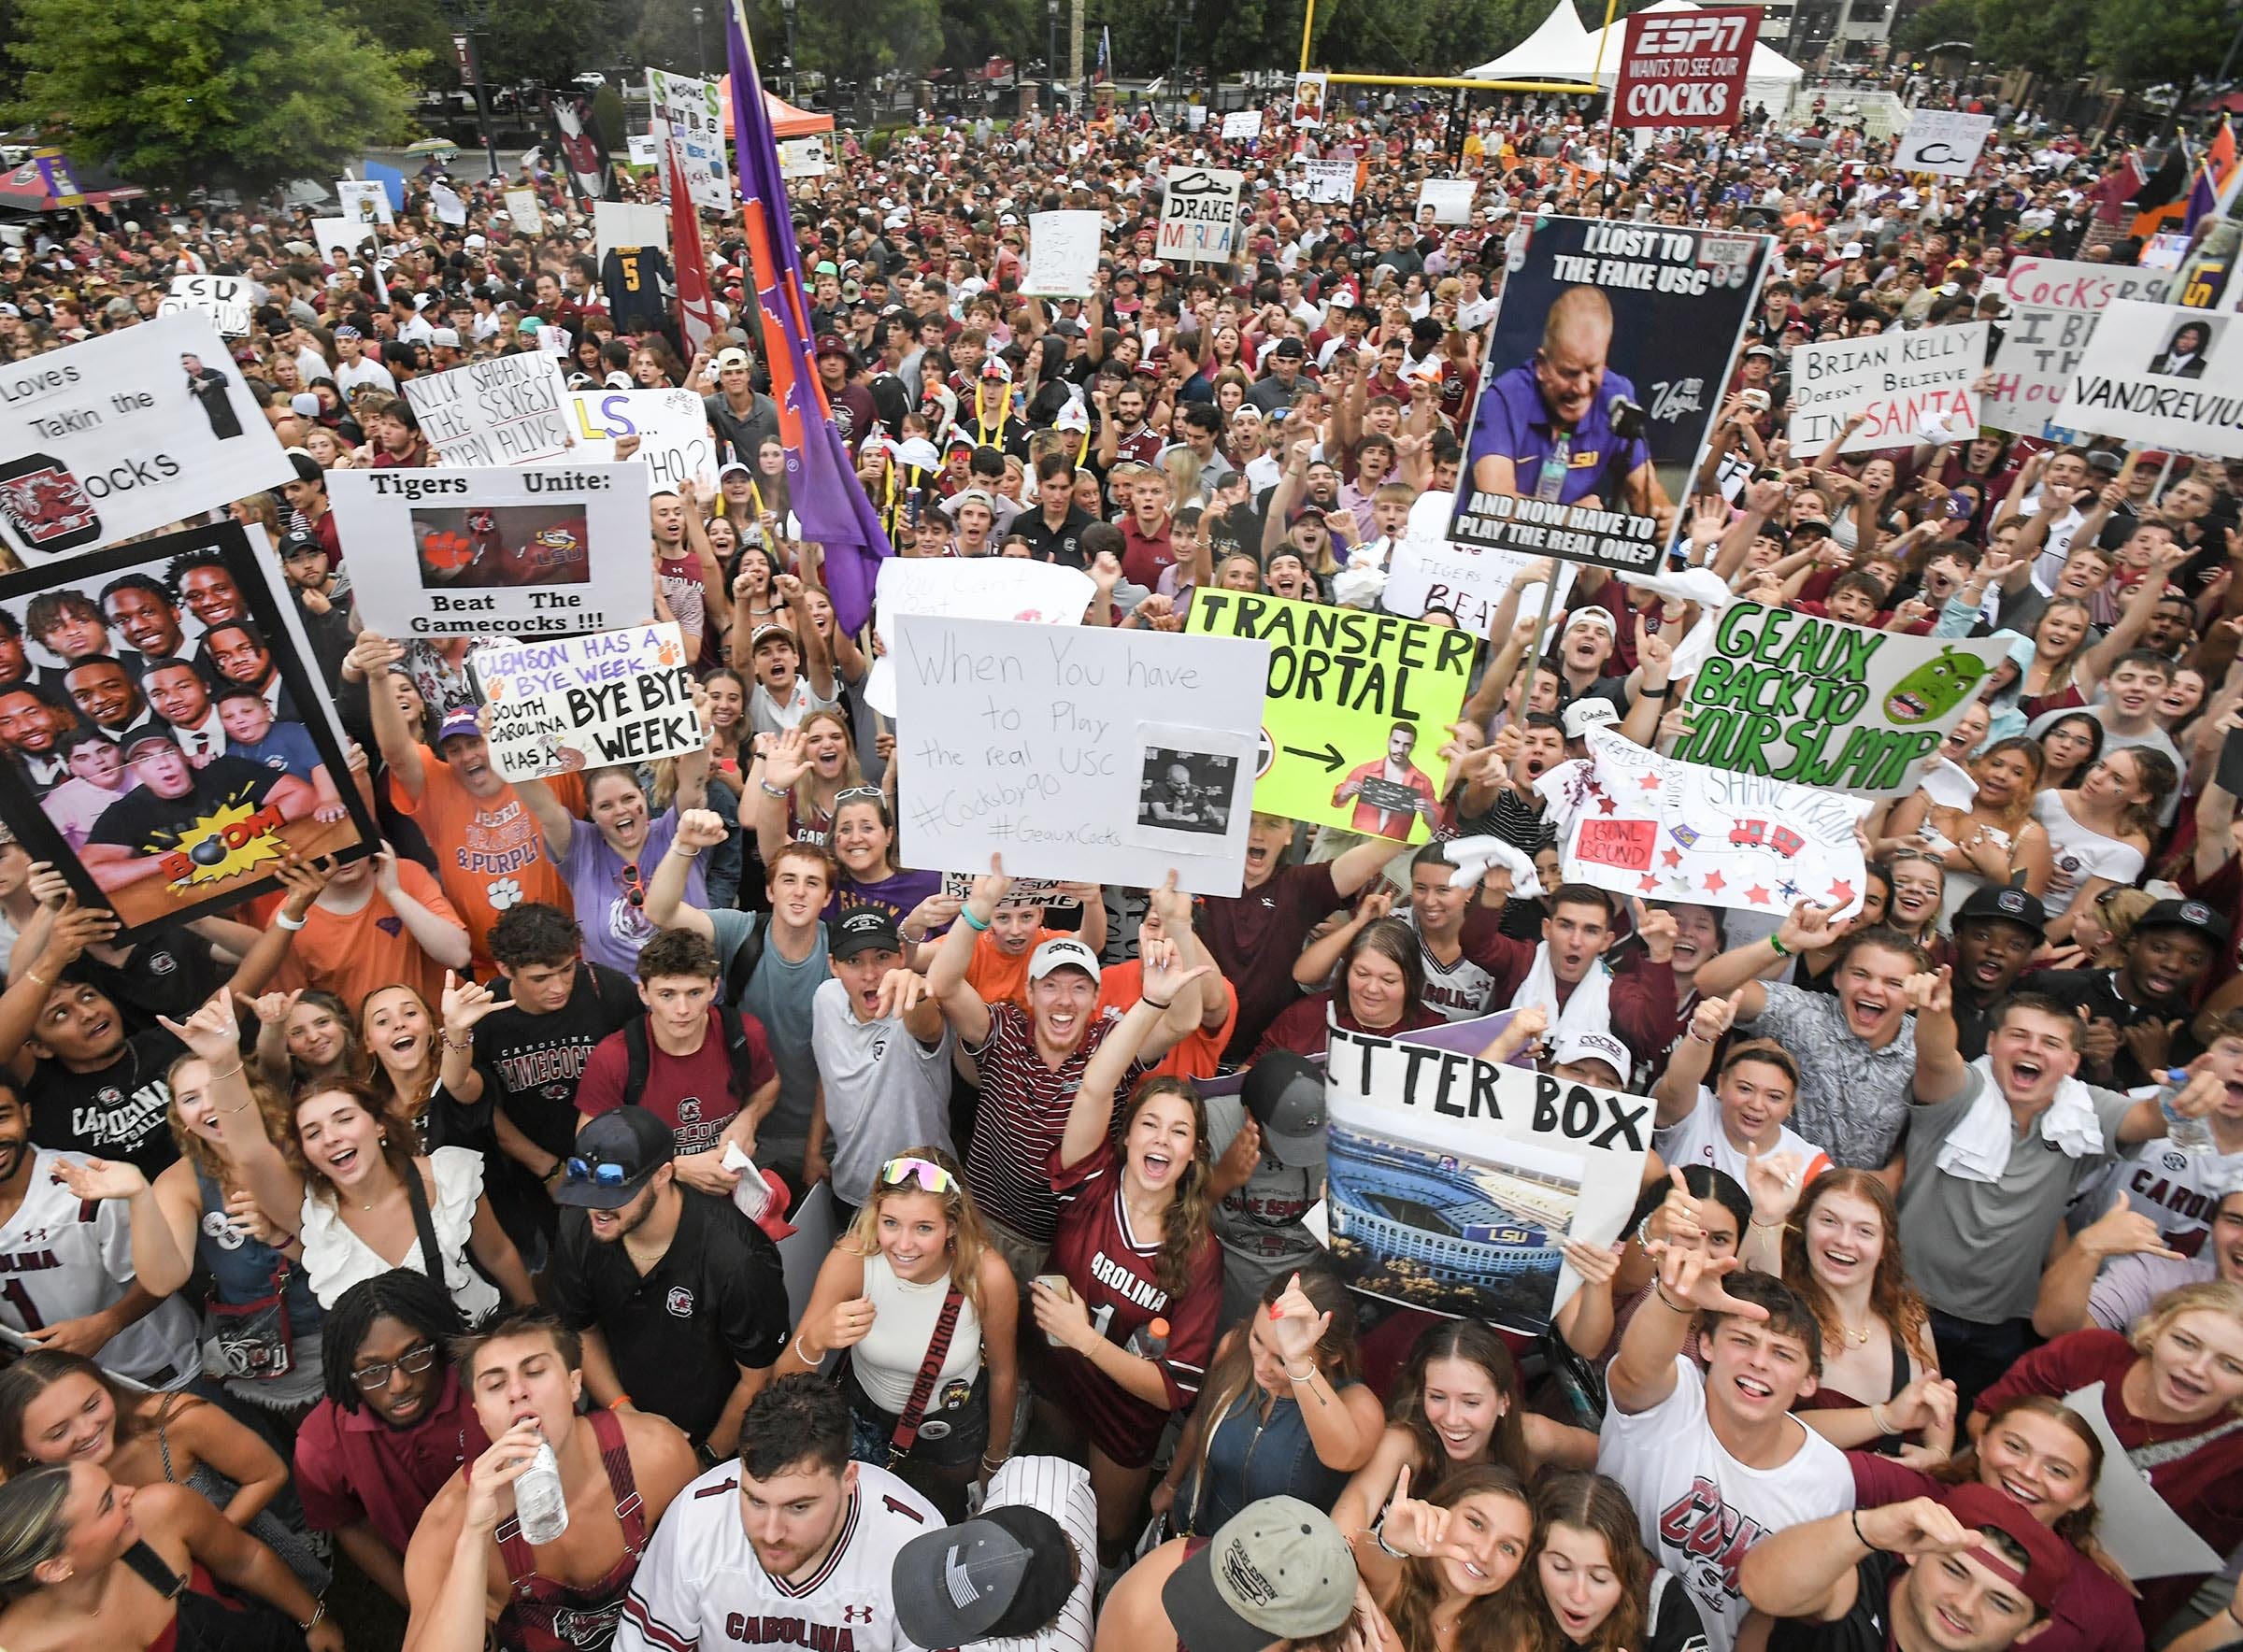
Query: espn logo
(1687, 36)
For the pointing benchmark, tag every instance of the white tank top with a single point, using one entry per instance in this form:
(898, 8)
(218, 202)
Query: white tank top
(887, 1361)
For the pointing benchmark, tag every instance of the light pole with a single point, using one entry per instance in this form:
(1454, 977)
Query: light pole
(1051, 58)
(467, 17)
(700, 45)
(793, 89)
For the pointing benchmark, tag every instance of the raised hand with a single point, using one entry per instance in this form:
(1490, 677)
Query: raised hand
(1245, 1151)
(1691, 1278)
(272, 1007)
(1295, 1326)
(1713, 1017)
(989, 889)
(901, 990)
(1931, 993)
(211, 1031)
(1772, 1182)
(1657, 930)
(48, 886)
(788, 759)
(466, 1002)
(1164, 974)
(702, 829)
(1417, 1527)
(100, 1178)
(1595, 1264)
(1810, 928)
(1921, 1526)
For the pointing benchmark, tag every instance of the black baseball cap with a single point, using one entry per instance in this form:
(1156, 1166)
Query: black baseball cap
(296, 545)
(2015, 905)
(614, 1155)
(865, 930)
(2188, 915)
(1284, 1093)
(1002, 1575)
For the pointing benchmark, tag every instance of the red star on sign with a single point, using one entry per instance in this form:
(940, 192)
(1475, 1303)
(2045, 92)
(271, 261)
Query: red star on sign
(1673, 857)
(1757, 894)
(1714, 884)
(1605, 806)
(1647, 883)
(1650, 782)
(1842, 893)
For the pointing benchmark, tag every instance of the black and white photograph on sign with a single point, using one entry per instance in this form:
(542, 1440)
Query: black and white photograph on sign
(1180, 789)
(164, 743)
(2186, 350)
(1606, 360)
(503, 546)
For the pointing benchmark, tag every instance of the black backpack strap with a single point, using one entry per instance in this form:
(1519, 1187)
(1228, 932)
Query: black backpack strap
(431, 1256)
(739, 1052)
(741, 970)
(636, 1060)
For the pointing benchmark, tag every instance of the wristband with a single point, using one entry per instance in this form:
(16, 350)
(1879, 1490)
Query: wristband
(771, 790)
(1155, 1003)
(1659, 1288)
(1379, 1537)
(1856, 1519)
(1665, 694)
(1781, 950)
(286, 922)
(1877, 1419)
(965, 915)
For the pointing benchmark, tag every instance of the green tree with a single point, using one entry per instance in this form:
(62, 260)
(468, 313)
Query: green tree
(2047, 37)
(1940, 21)
(223, 94)
(2141, 43)
(415, 29)
(853, 40)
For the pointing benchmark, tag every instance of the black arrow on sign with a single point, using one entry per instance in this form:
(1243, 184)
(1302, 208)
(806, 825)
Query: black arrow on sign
(1329, 756)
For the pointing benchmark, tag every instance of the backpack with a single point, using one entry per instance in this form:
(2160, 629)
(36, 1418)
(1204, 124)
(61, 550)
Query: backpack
(737, 976)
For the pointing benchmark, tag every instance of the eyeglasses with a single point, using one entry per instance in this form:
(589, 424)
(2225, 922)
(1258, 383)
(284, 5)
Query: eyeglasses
(600, 1175)
(929, 1174)
(413, 1362)
(634, 891)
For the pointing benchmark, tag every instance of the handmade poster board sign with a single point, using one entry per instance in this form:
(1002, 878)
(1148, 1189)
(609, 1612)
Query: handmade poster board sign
(2159, 372)
(2054, 304)
(508, 410)
(1199, 213)
(1899, 382)
(586, 702)
(168, 779)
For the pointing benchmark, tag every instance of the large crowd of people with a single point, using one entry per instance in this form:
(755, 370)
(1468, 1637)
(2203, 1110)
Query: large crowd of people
(350, 1242)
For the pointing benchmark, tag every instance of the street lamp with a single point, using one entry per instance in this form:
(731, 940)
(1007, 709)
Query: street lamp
(794, 88)
(1051, 58)
(700, 45)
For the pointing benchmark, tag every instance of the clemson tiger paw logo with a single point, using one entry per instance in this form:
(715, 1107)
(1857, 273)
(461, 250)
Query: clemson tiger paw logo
(495, 688)
(668, 654)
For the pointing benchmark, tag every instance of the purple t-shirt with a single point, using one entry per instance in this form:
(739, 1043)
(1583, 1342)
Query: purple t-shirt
(1514, 425)
(614, 927)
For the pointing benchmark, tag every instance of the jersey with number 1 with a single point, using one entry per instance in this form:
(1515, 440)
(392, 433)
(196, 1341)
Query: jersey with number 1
(63, 1258)
(699, 1585)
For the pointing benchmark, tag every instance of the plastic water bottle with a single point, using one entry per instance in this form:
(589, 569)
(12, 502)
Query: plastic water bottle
(1150, 1341)
(1550, 482)
(2190, 1136)
(540, 1506)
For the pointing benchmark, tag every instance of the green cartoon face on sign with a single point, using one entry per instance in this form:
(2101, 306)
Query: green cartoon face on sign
(1934, 688)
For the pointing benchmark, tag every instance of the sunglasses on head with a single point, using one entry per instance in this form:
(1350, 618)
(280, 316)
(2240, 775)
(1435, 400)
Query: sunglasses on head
(930, 1176)
(860, 794)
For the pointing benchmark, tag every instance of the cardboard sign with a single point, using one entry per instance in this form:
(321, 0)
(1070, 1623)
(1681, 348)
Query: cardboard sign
(1451, 199)
(1358, 706)
(450, 207)
(1685, 68)
(2160, 374)
(1944, 142)
(536, 551)
(155, 796)
(1026, 892)
(692, 111)
(1310, 92)
(1899, 381)
(1199, 214)
(225, 299)
(1452, 1183)
(364, 201)
(1638, 823)
(339, 239)
(584, 702)
(804, 157)
(1242, 125)
(2054, 306)
(524, 213)
(1426, 571)
(1330, 182)
(1665, 308)
(968, 587)
(505, 410)
(1824, 703)
(125, 433)
(642, 149)
(629, 224)
(1062, 253)
(1077, 753)
(671, 425)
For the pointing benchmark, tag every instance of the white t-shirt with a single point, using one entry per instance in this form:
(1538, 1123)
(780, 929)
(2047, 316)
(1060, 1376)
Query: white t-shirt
(1700, 1508)
(767, 715)
(63, 1258)
(350, 376)
(699, 1579)
(2078, 854)
(1699, 1139)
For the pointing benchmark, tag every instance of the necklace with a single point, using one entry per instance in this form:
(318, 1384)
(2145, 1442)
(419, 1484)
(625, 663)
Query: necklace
(1860, 1339)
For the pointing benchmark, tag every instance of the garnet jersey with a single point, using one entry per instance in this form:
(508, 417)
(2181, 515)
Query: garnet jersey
(63, 1258)
(699, 1583)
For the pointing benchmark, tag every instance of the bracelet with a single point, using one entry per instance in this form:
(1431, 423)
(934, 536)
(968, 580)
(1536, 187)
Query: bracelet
(1878, 1420)
(1856, 1519)
(445, 1039)
(319, 1611)
(1311, 1377)
(1777, 943)
(798, 1344)
(1665, 693)
(286, 922)
(908, 940)
(993, 1467)
(1659, 1287)
(1698, 1037)
(32, 975)
(619, 1401)
(2230, 1610)
(678, 848)
(965, 915)
(227, 1074)
(771, 790)
(1155, 1003)
(1379, 1537)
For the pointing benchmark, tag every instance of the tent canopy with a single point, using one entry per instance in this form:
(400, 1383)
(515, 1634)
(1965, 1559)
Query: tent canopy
(786, 120)
(1562, 50)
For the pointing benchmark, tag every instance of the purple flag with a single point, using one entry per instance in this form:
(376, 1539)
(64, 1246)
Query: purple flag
(821, 483)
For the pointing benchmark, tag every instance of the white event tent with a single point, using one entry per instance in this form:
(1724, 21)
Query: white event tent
(1562, 50)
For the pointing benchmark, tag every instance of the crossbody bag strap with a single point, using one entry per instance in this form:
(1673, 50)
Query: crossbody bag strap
(432, 1255)
(938, 1350)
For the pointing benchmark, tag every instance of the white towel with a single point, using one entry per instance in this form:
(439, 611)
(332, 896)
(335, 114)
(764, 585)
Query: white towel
(1589, 1011)
(1701, 586)
(1472, 857)
(1977, 1148)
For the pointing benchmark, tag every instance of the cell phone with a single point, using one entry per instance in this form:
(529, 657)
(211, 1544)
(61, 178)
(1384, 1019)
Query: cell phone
(1061, 1288)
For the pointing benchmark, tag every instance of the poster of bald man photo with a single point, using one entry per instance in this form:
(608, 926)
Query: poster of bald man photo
(1608, 363)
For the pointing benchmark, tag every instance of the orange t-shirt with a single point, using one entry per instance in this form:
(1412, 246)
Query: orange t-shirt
(355, 953)
(490, 851)
(999, 977)
(1121, 984)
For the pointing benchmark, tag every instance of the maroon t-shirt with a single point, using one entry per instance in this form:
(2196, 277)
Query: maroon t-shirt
(1256, 936)
(692, 1094)
(351, 1466)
